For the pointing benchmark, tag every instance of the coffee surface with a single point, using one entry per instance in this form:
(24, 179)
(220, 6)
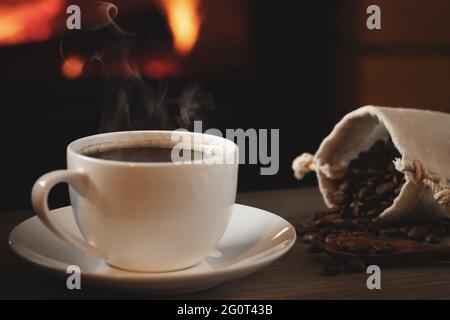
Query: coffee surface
(142, 154)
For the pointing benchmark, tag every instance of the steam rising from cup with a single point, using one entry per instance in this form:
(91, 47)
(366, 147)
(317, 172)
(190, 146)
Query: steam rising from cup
(129, 101)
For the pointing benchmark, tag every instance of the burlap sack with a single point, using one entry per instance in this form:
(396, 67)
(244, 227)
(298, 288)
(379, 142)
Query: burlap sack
(421, 137)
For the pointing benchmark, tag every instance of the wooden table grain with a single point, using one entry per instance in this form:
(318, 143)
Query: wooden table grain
(296, 275)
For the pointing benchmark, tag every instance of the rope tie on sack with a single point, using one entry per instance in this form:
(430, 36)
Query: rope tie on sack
(306, 163)
(419, 174)
(303, 164)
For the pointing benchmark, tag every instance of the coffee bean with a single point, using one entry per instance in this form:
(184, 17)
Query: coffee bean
(358, 248)
(323, 232)
(354, 204)
(346, 243)
(319, 215)
(397, 180)
(385, 204)
(405, 230)
(373, 213)
(439, 230)
(319, 224)
(344, 186)
(310, 236)
(372, 182)
(357, 173)
(341, 244)
(446, 224)
(329, 219)
(364, 192)
(344, 234)
(390, 168)
(391, 232)
(333, 230)
(375, 171)
(375, 163)
(376, 220)
(362, 228)
(384, 237)
(362, 235)
(383, 247)
(300, 228)
(432, 238)
(338, 197)
(316, 245)
(355, 266)
(417, 233)
(360, 221)
(331, 210)
(330, 237)
(385, 187)
(326, 231)
(374, 227)
(357, 208)
(372, 201)
(345, 212)
(342, 223)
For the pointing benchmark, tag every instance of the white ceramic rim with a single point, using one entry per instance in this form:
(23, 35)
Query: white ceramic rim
(229, 148)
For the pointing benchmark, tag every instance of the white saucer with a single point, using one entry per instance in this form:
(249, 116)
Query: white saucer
(253, 239)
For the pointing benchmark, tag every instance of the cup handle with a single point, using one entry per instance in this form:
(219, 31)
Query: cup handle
(39, 198)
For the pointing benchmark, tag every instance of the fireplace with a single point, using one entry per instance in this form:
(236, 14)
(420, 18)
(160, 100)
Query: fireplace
(265, 65)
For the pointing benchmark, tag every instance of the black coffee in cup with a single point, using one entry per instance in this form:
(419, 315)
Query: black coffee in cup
(142, 154)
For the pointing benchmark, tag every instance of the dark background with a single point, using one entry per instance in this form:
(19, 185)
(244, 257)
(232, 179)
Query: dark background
(296, 66)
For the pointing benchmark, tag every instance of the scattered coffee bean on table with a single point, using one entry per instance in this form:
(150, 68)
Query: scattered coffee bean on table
(382, 247)
(316, 246)
(417, 233)
(370, 185)
(432, 238)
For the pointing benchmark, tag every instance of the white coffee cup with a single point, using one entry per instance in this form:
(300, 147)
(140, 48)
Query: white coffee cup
(149, 217)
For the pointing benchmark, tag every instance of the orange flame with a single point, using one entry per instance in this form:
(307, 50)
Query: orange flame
(72, 67)
(28, 21)
(184, 20)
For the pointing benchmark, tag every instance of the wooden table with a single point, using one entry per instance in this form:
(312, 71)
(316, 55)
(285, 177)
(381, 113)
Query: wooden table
(297, 275)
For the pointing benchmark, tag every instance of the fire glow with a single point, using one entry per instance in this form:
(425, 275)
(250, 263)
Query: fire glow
(72, 67)
(28, 21)
(161, 69)
(184, 21)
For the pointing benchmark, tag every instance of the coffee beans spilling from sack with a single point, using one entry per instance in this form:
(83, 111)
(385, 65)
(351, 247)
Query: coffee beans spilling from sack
(370, 185)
